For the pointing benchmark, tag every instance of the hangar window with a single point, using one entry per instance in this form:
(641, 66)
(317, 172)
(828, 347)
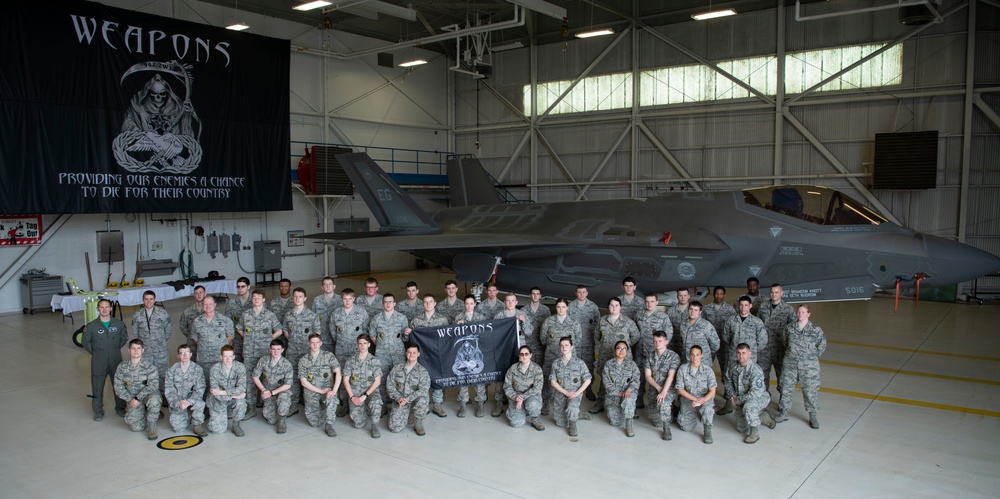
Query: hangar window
(699, 83)
(819, 205)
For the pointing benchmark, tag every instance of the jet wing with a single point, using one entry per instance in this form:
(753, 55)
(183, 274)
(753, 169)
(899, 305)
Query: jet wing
(375, 241)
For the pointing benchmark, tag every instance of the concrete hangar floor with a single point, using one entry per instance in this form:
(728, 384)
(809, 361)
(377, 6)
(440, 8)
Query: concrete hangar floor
(910, 407)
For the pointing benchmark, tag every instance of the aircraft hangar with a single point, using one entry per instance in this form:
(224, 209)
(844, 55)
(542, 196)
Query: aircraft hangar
(894, 103)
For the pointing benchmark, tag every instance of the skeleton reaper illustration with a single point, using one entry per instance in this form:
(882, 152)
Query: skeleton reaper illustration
(160, 132)
(469, 359)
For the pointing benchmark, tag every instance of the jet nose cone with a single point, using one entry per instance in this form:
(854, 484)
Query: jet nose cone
(951, 262)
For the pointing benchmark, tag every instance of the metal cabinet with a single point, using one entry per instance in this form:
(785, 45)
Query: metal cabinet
(37, 291)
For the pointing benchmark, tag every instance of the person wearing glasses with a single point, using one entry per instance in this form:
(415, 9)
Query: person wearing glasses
(523, 386)
(234, 310)
(371, 301)
(620, 377)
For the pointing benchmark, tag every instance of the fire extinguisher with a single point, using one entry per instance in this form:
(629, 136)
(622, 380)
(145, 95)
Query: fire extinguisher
(307, 174)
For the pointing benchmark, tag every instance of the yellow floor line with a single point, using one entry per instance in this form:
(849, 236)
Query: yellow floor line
(910, 373)
(928, 352)
(917, 403)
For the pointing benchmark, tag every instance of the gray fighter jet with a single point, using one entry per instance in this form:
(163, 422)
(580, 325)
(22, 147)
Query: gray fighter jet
(820, 244)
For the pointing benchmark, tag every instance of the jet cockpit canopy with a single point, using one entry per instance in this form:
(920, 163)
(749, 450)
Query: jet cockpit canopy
(819, 205)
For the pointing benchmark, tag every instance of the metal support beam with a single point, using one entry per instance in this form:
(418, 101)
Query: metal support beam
(604, 160)
(835, 162)
(970, 73)
(600, 57)
(779, 99)
(738, 178)
(684, 50)
(678, 167)
(513, 155)
(986, 110)
(897, 41)
(557, 160)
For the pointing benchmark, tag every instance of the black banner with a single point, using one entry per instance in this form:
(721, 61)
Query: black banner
(105, 110)
(473, 353)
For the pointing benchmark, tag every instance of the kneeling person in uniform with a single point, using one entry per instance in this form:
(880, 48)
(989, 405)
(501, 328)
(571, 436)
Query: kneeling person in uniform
(137, 382)
(696, 385)
(363, 375)
(273, 376)
(569, 378)
(523, 386)
(185, 392)
(745, 389)
(408, 385)
(621, 376)
(319, 373)
(227, 382)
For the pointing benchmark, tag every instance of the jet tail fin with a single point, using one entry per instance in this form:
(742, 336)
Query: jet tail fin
(391, 206)
(469, 184)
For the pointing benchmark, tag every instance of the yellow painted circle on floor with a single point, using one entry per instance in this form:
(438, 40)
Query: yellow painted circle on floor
(179, 442)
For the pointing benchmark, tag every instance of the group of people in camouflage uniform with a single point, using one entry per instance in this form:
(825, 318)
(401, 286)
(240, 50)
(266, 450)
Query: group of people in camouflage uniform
(251, 356)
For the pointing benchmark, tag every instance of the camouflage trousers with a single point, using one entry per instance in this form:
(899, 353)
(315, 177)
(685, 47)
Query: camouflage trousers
(463, 394)
(162, 362)
(238, 347)
(748, 415)
(414, 409)
(498, 394)
(771, 356)
(319, 409)
(659, 413)
(619, 409)
(437, 396)
(180, 419)
(688, 417)
(565, 410)
(252, 392)
(296, 390)
(530, 408)
(369, 411)
(806, 373)
(279, 405)
(147, 412)
(217, 412)
(547, 389)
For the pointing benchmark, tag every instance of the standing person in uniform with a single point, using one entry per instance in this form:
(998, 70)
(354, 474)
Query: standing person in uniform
(745, 392)
(408, 383)
(283, 302)
(621, 376)
(660, 370)
(185, 393)
(553, 330)
(696, 385)
(152, 325)
(612, 328)
(320, 376)
(753, 291)
(412, 305)
(299, 324)
(273, 378)
(491, 305)
(346, 324)
(717, 313)
(227, 389)
(211, 331)
(451, 305)
(678, 314)
(324, 306)
(362, 376)
(776, 315)
(471, 315)
(747, 329)
(432, 318)
(632, 303)
(697, 331)
(523, 385)
(103, 339)
(234, 310)
(570, 379)
(387, 328)
(587, 315)
(137, 382)
(371, 301)
(188, 316)
(259, 327)
(509, 311)
(649, 320)
(536, 313)
(805, 343)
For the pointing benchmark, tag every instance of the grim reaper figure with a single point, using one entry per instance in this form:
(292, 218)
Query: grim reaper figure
(160, 132)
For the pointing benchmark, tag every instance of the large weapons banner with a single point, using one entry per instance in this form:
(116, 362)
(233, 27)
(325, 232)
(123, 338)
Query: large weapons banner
(474, 353)
(108, 110)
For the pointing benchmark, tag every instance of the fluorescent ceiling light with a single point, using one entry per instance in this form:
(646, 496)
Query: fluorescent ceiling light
(591, 34)
(239, 26)
(311, 5)
(712, 15)
(506, 46)
(416, 62)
